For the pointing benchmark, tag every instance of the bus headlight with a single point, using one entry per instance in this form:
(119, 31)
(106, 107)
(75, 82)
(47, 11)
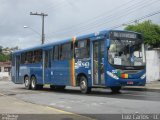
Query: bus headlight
(112, 75)
(143, 76)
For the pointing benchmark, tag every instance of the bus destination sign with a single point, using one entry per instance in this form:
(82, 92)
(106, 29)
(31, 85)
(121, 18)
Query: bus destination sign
(123, 35)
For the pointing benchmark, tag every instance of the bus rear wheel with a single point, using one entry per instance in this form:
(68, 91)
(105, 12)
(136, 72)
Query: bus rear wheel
(27, 83)
(34, 84)
(84, 85)
(116, 89)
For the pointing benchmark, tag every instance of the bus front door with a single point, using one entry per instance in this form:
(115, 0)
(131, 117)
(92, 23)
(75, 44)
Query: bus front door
(98, 62)
(47, 67)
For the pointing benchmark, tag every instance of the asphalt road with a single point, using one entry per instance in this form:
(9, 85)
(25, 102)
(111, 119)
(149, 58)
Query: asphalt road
(95, 105)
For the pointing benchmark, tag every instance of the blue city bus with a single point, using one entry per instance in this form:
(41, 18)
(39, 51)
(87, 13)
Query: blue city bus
(105, 59)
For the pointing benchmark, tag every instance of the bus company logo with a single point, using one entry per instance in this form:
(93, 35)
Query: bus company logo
(81, 64)
(114, 71)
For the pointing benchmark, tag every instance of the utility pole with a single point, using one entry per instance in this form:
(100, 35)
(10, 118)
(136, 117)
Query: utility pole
(42, 15)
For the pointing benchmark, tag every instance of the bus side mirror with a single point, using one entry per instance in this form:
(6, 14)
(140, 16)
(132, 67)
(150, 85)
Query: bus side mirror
(108, 43)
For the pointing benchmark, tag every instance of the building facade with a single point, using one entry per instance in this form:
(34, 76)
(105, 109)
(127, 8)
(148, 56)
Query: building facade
(5, 68)
(153, 65)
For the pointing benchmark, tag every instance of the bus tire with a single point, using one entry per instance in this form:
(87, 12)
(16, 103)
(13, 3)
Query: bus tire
(84, 85)
(115, 89)
(27, 83)
(34, 85)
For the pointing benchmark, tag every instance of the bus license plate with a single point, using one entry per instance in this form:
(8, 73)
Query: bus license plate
(130, 83)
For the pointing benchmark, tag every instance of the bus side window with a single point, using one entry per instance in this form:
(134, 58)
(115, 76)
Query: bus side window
(82, 49)
(76, 53)
(22, 58)
(30, 56)
(55, 52)
(37, 56)
(66, 51)
(13, 60)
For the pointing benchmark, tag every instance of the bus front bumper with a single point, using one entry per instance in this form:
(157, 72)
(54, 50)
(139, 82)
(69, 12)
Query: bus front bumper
(125, 82)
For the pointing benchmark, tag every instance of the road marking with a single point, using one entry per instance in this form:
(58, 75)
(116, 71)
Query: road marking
(65, 112)
(59, 110)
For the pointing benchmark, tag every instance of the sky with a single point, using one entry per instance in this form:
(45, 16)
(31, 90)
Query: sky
(67, 18)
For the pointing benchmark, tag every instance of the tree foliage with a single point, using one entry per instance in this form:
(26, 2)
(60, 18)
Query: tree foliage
(150, 31)
(1, 49)
(4, 58)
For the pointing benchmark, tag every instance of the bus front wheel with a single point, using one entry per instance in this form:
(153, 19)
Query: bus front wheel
(84, 85)
(27, 83)
(115, 89)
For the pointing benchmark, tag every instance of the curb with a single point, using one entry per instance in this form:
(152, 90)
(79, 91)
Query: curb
(142, 89)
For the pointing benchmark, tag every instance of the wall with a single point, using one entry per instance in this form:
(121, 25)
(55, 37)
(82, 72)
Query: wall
(153, 65)
(4, 74)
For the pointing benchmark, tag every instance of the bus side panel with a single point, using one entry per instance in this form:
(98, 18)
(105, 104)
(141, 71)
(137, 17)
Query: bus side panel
(60, 72)
(36, 70)
(24, 70)
(83, 66)
(29, 70)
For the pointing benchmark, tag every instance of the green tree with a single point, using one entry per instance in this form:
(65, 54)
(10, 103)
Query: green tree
(4, 58)
(1, 49)
(150, 31)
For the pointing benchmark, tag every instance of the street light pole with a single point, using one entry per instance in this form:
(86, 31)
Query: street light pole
(32, 30)
(42, 15)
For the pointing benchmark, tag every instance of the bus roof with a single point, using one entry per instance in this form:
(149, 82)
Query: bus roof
(104, 32)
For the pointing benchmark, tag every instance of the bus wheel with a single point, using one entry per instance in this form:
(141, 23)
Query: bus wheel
(84, 85)
(27, 83)
(115, 89)
(34, 85)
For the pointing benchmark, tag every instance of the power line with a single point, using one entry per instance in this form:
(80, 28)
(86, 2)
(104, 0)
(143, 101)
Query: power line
(99, 23)
(55, 6)
(94, 18)
(138, 19)
(111, 19)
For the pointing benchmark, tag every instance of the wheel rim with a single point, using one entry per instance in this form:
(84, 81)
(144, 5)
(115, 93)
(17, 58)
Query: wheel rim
(26, 81)
(33, 83)
(83, 84)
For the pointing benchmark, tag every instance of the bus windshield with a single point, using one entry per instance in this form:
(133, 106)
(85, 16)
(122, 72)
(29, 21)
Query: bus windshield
(126, 52)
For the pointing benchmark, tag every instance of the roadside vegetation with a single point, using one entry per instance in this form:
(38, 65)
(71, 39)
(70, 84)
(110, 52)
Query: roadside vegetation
(3, 57)
(150, 31)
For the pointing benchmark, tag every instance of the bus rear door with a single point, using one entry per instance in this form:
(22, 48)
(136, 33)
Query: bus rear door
(17, 69)
(47, 66)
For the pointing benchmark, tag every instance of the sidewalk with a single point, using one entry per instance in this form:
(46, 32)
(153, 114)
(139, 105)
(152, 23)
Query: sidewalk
(12, 108)
(153, 86)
